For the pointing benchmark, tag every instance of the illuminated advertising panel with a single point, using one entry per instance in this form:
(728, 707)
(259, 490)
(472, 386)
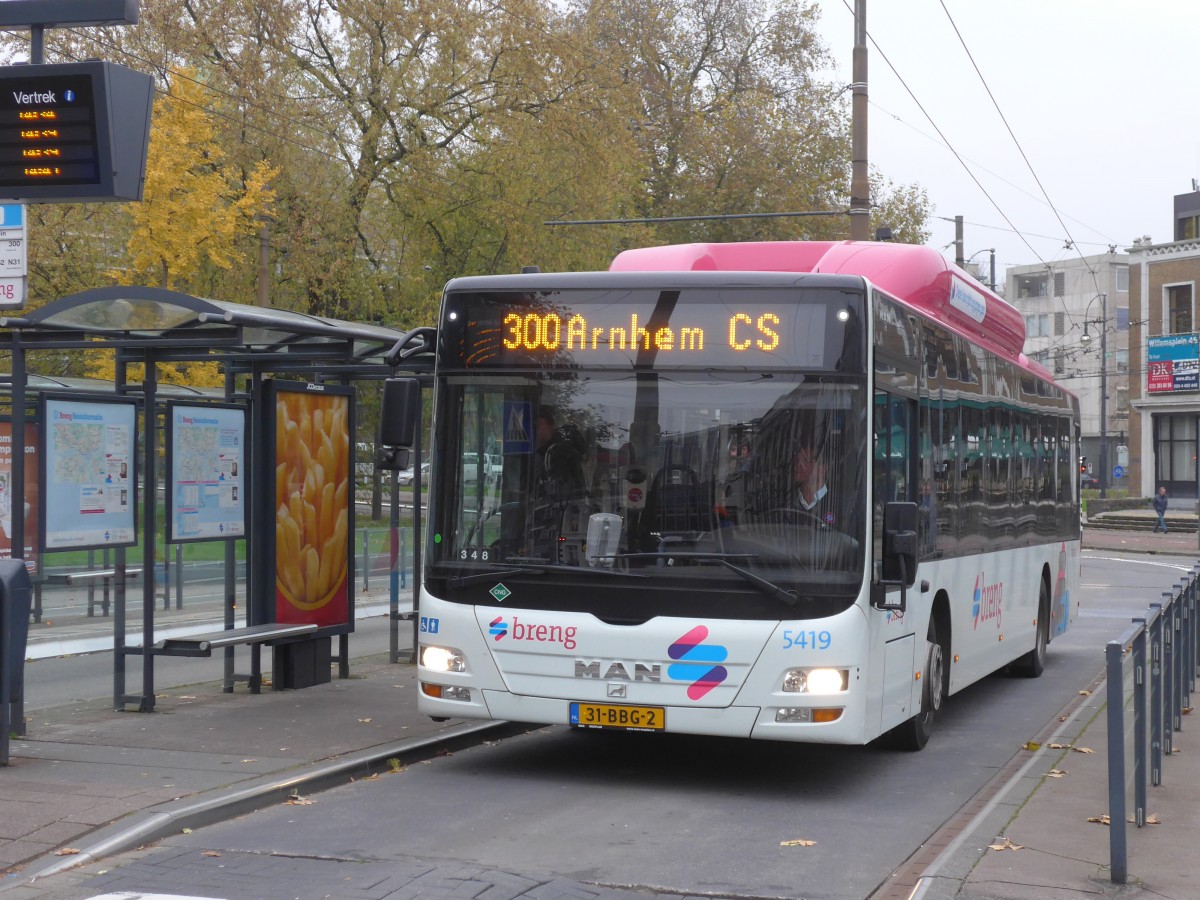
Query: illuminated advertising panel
(314, 504)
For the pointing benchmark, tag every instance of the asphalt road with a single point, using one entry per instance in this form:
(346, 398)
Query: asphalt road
(684, 815)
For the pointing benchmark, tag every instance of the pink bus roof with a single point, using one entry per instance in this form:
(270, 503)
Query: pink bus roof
(918, 276)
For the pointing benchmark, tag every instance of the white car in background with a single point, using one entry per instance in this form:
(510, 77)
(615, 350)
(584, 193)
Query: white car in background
(493, 466)
(405, 477)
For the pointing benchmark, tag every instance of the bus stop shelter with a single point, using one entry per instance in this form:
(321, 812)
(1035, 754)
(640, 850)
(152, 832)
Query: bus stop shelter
(266, 356)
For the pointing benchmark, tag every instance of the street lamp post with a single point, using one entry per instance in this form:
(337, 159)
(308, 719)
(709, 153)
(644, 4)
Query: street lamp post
(992, 251)
(1103, 323)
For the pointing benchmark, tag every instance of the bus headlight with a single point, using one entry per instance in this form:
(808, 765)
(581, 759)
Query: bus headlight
(443, 659)
(815, 681)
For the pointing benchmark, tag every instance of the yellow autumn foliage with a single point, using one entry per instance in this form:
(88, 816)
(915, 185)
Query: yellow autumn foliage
(194, 208)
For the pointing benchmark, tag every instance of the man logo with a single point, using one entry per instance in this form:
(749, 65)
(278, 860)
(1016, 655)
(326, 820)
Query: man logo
(695, 665)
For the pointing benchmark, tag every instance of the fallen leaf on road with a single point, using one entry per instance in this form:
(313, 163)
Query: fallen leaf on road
(1005, 844)
(1032, 745)
(1153, 819)
(186, 830)
(798, 842)
(294, 799)
(210, 853)
(1085, 693)
(249, 760)
(1099, 820)
(1059, 746)
(67, 851)
(364, 721)
(1056, 773)
(1083, 749)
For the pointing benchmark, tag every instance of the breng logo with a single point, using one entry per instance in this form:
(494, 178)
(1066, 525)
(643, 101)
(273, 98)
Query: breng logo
(538, 634)
(988, 601)
(696, 662)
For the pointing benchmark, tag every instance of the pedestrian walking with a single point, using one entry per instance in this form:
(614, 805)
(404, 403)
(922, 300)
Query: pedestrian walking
(1160, 507)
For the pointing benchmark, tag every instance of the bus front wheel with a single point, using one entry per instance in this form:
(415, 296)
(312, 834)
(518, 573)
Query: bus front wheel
(914, 734)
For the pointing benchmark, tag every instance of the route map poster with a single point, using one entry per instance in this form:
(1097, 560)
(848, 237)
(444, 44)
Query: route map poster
(30, 504)
(207, 466)
(88, 474)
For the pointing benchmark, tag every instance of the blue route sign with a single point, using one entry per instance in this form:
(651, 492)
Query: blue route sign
(1118, 471)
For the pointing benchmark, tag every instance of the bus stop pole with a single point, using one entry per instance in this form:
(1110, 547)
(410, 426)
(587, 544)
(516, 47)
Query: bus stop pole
(416, 547)
(394, 574)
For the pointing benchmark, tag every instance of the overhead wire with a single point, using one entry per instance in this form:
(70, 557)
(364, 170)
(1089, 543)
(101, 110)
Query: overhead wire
(1108, 241)
(946, 141)
(1071, 244)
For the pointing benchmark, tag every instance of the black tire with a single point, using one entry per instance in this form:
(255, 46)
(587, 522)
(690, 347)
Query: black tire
(914, 734)
(1033, 663)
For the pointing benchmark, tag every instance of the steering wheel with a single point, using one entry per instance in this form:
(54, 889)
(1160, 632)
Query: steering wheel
(797, 516)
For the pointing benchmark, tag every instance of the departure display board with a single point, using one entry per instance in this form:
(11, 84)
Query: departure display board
(73, 131)
(48, 131)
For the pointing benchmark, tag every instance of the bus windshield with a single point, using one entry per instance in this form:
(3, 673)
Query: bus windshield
(724, 490)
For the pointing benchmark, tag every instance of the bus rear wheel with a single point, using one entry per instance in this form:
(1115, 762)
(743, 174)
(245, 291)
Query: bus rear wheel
(915, 733)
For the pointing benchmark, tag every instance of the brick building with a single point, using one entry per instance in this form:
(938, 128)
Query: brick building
(1164, 357)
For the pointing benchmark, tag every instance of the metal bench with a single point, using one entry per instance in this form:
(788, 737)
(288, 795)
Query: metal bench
(252, 635)
(205, 644)
(90, 578)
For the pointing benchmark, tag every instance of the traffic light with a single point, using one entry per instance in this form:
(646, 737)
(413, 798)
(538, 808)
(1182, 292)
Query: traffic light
(1083, 465)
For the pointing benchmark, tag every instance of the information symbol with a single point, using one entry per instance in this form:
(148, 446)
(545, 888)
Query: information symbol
(69, 95)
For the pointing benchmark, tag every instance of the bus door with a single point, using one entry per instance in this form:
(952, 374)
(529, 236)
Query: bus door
(895, 457)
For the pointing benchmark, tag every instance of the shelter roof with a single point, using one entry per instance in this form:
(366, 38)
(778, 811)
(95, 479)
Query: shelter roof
(173, 321)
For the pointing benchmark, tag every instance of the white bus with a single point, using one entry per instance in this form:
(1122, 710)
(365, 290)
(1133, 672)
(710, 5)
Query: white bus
(797, 491)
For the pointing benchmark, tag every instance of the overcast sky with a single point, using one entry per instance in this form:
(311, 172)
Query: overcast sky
(1099, 94)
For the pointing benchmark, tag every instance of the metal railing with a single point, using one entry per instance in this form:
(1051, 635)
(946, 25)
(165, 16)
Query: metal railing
(1151, 674)
(381, 555)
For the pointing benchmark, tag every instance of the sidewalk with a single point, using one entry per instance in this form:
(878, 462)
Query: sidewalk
(102, 783)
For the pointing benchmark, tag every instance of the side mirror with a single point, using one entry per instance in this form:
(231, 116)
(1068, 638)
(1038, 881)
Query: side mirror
(399, 415)
(392, 459)
(899, 550)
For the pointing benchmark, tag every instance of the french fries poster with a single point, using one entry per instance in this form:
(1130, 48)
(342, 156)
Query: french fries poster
(313, 513)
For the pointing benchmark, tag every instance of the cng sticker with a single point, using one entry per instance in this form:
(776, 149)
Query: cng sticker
(500, 592)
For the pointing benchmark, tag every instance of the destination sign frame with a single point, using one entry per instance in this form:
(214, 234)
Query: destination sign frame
(761, 327)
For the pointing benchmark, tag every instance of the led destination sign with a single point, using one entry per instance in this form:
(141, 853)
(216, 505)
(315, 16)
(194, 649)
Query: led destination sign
(534, 331)
(48, 131)
(760, 328)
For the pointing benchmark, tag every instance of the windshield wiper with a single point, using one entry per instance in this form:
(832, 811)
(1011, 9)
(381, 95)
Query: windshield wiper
(544, 567)
(496, 570)
(522, 566)
(726, 559)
